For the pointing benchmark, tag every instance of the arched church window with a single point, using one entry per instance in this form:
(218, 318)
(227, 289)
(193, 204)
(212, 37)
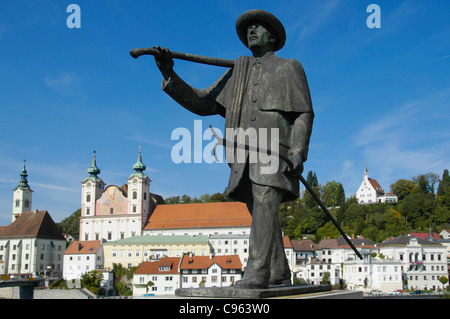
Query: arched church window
(134, 195)
(88, 198)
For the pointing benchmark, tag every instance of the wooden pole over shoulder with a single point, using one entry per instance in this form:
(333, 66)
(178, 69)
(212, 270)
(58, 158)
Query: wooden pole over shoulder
(185, 56)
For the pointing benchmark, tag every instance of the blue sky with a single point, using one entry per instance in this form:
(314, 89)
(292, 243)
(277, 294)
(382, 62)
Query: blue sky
(381, 96)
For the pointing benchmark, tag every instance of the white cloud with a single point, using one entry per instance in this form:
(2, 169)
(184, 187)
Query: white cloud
(67, 84)
(411, 140)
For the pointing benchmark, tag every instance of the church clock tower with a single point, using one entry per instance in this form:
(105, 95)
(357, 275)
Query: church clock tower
(22, 195)
(139, 192)
(91, 190)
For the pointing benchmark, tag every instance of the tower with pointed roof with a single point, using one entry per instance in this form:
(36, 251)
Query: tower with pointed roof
(370, 192)
(22, 195)
(139, 191)
(110, 212)
(91, 190)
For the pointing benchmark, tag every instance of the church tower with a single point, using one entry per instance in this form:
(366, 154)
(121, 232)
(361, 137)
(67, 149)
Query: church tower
(91, 190)
(22, 195)
(139, 191)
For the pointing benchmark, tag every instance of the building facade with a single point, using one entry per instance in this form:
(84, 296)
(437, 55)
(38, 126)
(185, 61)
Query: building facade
(112, 213)
(160, 277)
(81, 257)
(131, 252)
(31, 246)
(370, 192)
(422, 262)
(209, 271)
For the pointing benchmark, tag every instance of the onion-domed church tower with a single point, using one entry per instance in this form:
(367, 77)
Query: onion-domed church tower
(22, 195)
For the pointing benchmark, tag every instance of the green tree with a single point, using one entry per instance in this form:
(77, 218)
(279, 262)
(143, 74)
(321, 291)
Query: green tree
(325, 278)
(395, 223)
(402, 188)
(122, 279)
(312, 180)
(443, 280)
(333, 194)
(327, 231)
(172, 200)
(444, 183)
(186, 199)
(71, 224)
(217, 197)
(92, 281)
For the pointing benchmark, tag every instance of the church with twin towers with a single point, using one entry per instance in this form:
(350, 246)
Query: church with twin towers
(110, 213)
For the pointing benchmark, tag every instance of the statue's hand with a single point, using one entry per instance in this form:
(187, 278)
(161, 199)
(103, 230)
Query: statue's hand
(297, 162)
(164, 61)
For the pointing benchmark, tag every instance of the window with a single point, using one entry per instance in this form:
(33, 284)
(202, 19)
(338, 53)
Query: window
(111, 210)
(88, 198)
(134, 195)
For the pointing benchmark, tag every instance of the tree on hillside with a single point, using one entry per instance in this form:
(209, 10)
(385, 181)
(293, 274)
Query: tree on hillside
(71, 224)
(443, 191)
(402, 188)
(333, 194)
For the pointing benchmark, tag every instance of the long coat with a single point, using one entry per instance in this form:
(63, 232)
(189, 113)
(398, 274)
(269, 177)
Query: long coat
(260, 93)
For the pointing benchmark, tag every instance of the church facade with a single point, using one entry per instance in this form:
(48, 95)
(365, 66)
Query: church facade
(110, 213)
(370, 192)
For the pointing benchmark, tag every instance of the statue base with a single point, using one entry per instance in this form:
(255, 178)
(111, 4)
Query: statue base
(231, 292)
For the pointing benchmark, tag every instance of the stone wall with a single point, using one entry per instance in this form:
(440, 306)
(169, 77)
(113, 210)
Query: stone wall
(61, 294)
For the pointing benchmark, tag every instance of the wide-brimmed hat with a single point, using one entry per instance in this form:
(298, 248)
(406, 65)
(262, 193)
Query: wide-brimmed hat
(260, 16)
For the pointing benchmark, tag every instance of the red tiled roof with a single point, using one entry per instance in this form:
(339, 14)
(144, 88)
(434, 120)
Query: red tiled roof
(33, 224)
(328, 243)
(152, 267)
(204, 262)
(424, 235)
(287, 242)
(376, 186)
(303, 245)
(83, 247)
(202, 215)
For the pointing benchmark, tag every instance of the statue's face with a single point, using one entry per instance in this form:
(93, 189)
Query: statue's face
(259, 38)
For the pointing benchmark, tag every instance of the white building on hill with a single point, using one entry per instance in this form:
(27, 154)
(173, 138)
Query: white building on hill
(370, 192)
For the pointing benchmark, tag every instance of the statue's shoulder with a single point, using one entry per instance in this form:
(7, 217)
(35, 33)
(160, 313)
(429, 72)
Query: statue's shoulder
(287, 63)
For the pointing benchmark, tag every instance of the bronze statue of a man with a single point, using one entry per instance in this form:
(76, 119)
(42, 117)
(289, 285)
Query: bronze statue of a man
(260, 92)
